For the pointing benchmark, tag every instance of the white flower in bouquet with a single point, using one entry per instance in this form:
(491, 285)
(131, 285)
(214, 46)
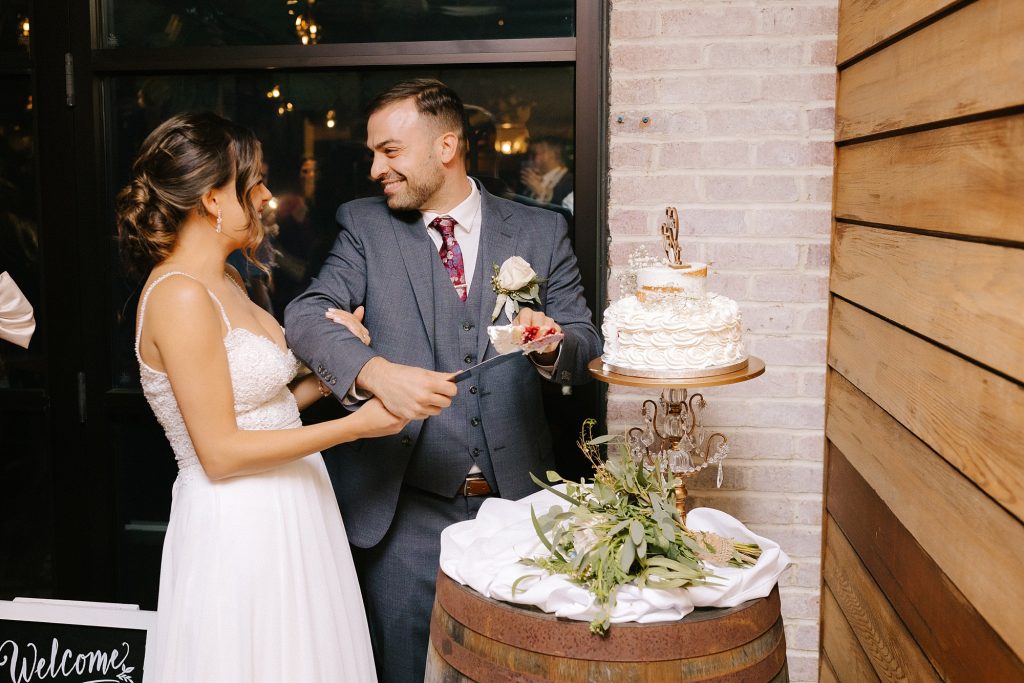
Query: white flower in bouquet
(584, 539)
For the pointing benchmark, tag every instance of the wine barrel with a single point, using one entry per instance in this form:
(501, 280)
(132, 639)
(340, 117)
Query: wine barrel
(474, 639)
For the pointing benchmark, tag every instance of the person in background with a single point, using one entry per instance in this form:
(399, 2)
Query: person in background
(546, 179)
(297, 236)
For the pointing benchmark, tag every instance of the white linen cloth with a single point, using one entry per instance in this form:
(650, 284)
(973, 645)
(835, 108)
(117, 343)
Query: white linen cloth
(484, 554)
(16, 316)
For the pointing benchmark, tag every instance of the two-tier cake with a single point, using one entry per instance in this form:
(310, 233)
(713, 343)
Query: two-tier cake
(671, 327)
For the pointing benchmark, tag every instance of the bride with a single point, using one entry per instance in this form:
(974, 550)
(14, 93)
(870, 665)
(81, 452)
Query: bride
(256, 582)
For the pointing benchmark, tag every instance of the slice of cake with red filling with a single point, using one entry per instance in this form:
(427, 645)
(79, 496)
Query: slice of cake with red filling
(525, 338)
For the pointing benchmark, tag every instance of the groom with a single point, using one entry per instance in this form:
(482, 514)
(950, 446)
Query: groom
(420, 260)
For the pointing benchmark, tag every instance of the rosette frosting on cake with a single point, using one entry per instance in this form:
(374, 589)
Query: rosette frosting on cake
(672, 328)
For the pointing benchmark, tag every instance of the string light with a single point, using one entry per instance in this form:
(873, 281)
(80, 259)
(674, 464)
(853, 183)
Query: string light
(24, 31)
(306, 27)
(274, 92)
(307, 30)
(330, 119)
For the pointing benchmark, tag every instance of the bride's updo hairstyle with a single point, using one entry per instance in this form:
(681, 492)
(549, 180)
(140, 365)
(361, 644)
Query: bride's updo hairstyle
(184, 158)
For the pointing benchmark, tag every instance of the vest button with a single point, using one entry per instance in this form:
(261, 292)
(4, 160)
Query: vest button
(406, 440)
(475, 422)
(468, 358)
(473, 390)
(467, 326)
(476, 452)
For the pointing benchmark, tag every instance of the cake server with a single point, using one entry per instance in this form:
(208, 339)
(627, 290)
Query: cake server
(486, 365)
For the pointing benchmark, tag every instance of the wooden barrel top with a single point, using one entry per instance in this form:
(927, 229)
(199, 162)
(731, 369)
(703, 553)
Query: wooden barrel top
(703, 632)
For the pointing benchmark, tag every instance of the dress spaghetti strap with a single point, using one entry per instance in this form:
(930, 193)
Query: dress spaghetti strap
(145, 300)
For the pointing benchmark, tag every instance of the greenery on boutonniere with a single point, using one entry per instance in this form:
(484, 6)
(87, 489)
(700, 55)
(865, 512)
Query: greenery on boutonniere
(623, 528)
(515, 282)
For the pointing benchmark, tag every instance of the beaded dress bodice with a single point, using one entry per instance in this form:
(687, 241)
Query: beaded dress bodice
(260, 373)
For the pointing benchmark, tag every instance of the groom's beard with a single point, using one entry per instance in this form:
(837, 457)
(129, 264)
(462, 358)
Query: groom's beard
(412, 194)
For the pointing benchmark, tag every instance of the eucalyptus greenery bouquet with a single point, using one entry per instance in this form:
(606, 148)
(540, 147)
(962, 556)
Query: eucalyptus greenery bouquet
(624, 528)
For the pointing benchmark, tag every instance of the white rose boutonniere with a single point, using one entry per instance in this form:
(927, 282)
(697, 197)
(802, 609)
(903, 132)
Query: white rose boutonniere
(515, 283)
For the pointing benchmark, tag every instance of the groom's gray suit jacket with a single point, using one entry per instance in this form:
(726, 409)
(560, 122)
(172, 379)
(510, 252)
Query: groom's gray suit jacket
(385, 261)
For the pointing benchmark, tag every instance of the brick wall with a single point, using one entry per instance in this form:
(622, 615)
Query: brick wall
(724, 109)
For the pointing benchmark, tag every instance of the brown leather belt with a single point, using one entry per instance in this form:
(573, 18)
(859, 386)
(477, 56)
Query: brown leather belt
(476, 485)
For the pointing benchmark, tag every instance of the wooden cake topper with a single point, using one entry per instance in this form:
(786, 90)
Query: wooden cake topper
(670, 238)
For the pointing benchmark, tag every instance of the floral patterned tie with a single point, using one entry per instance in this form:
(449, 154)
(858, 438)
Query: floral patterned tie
(451, 254)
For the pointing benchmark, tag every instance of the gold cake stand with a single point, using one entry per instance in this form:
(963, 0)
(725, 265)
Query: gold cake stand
(678, 435)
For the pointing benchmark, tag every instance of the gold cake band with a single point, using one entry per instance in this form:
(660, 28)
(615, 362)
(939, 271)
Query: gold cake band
(700, 272)
(668, 373)
(687, 266)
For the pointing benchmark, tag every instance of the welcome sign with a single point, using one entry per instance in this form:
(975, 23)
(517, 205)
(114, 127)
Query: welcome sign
(43, 641)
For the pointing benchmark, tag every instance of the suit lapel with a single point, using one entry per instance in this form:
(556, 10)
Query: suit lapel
(413, 244)
(497, 243)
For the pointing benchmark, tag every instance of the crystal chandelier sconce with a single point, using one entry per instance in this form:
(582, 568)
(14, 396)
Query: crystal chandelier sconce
(674, 437)
(511, 138)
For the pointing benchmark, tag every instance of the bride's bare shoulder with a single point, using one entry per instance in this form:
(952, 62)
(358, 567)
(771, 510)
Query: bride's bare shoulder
(178, 299)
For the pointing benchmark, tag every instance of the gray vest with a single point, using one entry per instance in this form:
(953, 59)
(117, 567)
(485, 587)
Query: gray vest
(450, 443)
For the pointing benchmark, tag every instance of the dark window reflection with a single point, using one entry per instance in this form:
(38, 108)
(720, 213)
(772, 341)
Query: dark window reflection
(15, 26)
(166, 23)
(313, 133)
(19, 227)
(26, 504)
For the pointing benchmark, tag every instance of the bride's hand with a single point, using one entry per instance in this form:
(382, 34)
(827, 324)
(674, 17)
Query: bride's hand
(373, 419)
(353, 321)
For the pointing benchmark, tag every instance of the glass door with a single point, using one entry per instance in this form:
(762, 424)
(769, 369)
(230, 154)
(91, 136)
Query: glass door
(299, 73)
(25, 449)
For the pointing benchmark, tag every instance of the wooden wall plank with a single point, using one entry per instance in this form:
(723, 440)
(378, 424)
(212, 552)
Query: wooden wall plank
(960, 294)
(825, 672)
(842, 651)
(880, 519)
(893, 653)
(966, 63)
(972, 417)
(964, 179)
(866, 23)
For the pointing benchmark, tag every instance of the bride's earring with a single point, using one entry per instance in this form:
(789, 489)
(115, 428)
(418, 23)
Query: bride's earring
(220, 221)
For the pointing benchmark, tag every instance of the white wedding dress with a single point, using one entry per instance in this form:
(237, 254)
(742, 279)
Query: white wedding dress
(257, 581)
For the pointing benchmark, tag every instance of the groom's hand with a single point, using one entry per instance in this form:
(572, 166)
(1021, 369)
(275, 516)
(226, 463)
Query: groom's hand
(528, 316)
(408, 392)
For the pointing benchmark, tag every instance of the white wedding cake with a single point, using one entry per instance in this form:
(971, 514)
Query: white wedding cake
(672, 328)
